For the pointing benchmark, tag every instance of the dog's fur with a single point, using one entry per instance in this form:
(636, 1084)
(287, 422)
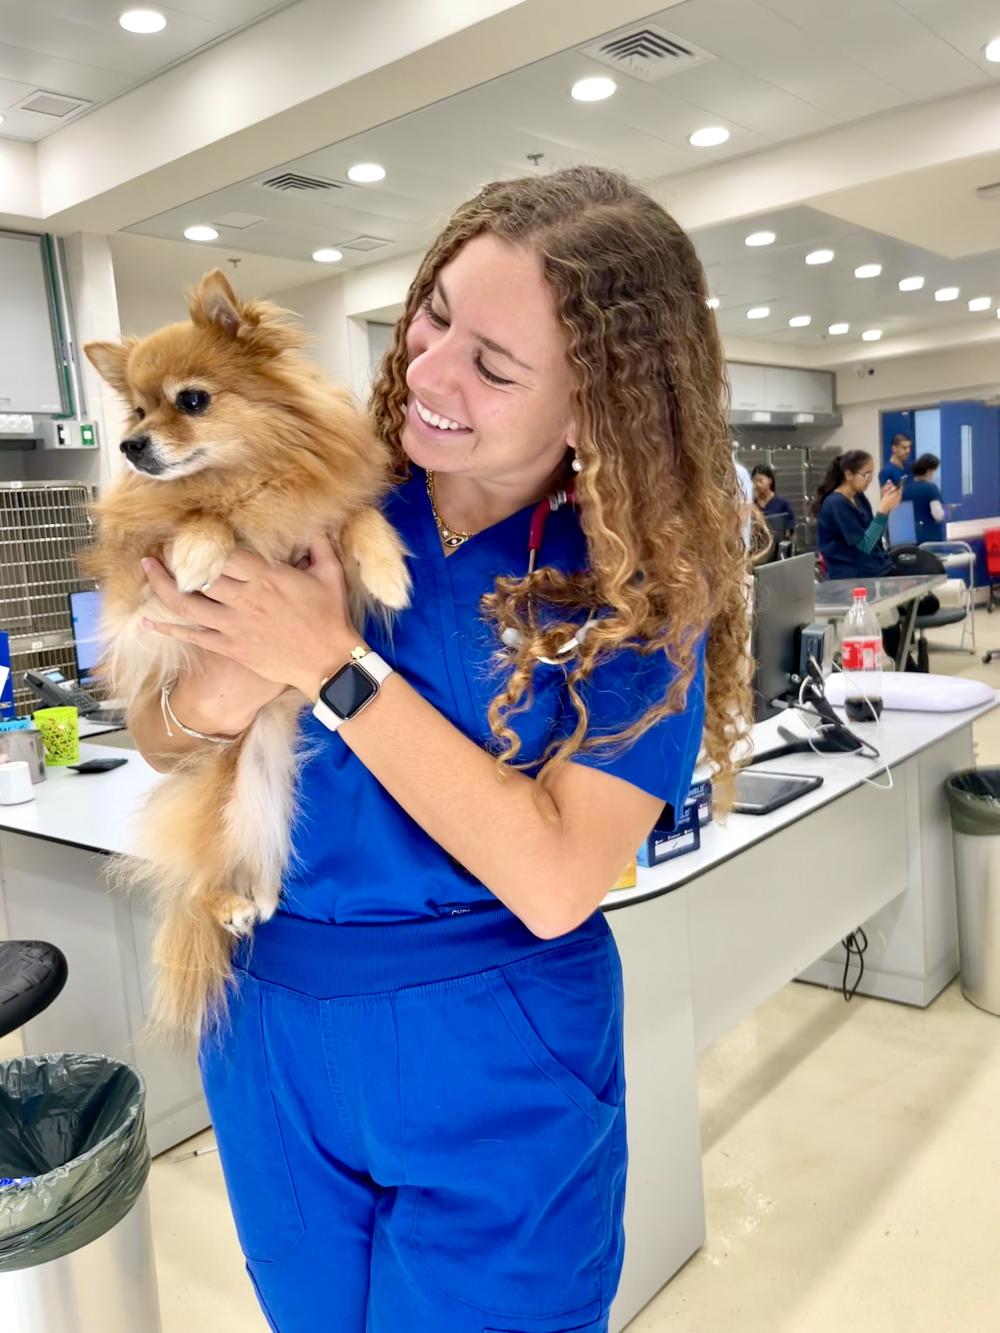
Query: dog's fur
(276, 456)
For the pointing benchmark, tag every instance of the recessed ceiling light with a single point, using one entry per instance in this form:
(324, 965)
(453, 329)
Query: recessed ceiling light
(200, 233)
(364, 173)
(980, 303)
(800, 321)
(758, 312)
(760, 238)
(871, 335)
(946, 294)
(142, 20)
(710, 137)
(328, 255)
(595, 89)
(712, 303)
(868, 271)
(913, 284)
(819, 257)
(992, 50)
(836, 329)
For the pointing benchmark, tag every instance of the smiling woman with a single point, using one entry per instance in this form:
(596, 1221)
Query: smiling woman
(476, 774)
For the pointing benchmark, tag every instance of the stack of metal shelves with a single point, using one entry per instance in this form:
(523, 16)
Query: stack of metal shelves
(44, 527)
(798, 472)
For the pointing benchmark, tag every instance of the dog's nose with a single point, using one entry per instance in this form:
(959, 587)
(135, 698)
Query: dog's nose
(135, 446)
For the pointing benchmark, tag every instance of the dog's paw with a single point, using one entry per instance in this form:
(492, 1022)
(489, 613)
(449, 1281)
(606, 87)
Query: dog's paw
(238, 915)
(197, 559)
(388, 581)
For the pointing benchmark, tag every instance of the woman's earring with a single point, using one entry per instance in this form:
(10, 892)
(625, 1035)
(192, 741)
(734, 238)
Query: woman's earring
(576, 465)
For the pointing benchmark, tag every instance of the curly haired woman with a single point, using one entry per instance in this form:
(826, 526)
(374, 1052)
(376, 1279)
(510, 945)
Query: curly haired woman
(420, 1097)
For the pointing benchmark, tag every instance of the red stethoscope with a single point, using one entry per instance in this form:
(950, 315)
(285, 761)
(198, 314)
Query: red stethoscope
(511, 637)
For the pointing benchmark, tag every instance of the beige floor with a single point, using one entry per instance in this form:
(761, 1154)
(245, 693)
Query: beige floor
(851, 1171)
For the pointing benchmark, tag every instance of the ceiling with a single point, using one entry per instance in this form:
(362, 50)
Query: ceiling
(778, 276)
(77, 50)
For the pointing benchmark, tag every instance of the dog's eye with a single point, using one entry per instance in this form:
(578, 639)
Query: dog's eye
(193, 401)
(139, 413)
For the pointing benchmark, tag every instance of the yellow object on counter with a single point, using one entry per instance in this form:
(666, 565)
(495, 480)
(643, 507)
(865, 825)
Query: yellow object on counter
(627, 879)
(60, 732)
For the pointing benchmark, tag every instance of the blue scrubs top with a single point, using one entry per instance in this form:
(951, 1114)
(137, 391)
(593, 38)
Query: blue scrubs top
(356, 854)
(920, 493)
(894, 473)
(778, 505)
(840, 527)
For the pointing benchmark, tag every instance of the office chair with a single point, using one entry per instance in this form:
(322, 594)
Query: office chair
(918, 560)
(31, 976)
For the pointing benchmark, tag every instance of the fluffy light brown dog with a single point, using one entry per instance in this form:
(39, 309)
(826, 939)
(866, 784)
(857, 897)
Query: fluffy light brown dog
(235, 440)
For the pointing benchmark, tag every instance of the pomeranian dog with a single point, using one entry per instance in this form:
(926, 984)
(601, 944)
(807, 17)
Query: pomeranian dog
(235, 440)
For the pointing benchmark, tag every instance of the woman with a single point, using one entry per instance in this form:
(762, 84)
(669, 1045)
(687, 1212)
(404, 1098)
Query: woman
(925, 496)
(848, 535)
(419, 1099)
(768, 501)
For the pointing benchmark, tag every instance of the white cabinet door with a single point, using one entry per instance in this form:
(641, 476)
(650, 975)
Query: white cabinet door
(817, 387)
(782, 390)
(746, 384)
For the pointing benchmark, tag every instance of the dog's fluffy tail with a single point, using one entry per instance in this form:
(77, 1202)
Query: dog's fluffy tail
(192, 955)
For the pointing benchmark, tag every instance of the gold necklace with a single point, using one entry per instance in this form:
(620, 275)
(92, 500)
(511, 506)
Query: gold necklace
(450, 537)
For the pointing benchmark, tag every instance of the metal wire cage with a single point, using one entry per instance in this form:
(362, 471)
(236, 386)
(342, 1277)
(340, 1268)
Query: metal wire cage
(44, 526)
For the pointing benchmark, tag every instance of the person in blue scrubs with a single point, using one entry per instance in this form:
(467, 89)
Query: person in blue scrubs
(418, 1089)
(925, 496)
(848, 535)
(770, 504)
(896, 472)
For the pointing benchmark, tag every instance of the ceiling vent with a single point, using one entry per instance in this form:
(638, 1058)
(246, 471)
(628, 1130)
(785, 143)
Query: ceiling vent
(363, 243)
(289, 182)
(646, 52)
(52, 104)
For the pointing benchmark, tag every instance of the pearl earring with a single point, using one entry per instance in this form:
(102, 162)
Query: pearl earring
(576, 465)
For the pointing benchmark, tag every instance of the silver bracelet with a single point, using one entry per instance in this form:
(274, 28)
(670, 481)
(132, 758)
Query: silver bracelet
(170, 716)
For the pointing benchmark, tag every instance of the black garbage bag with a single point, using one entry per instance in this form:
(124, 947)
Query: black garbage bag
(73, 1153)
(974, 801)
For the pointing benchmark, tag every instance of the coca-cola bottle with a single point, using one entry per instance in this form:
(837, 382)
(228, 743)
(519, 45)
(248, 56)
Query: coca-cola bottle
(861, 658)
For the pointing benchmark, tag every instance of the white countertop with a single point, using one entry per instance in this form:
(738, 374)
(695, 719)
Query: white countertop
(95, 811)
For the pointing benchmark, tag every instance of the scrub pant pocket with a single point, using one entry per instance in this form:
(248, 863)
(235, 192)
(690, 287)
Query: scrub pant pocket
(512, 1097)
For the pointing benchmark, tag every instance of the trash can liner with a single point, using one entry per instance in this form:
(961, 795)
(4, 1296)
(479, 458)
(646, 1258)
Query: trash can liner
(75, 1126)
(974, 801)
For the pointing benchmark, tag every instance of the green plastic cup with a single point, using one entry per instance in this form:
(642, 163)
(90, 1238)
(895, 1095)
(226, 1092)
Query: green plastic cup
(60, 735)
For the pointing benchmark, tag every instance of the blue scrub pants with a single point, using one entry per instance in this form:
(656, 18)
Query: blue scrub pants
(422, 1125)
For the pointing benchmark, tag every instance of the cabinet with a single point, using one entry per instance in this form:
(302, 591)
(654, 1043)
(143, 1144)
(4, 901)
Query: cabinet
(779, 389)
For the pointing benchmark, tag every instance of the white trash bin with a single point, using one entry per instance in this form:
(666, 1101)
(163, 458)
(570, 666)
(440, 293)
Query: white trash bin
(974, 802)
(76, 1244)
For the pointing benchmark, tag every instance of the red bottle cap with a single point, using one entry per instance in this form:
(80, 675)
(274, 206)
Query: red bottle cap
(860, 592)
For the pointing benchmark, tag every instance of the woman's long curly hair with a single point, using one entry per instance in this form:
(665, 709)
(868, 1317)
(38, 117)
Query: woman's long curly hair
(658, 496)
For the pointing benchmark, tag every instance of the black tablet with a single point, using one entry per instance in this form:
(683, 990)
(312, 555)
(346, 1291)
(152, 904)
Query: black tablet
(759, 793)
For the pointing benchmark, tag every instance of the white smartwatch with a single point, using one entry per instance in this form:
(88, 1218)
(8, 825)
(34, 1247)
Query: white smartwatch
(351, 688)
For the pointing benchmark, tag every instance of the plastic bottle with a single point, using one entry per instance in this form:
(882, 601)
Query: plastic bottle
(861, 657)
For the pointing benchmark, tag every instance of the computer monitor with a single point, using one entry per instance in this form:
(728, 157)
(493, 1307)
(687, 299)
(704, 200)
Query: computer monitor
(782, 528)
(902, 525)
(85, 613)
(784, 603)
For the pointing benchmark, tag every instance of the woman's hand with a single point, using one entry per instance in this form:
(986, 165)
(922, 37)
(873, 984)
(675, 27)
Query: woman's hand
(891, 496)
(289, 625)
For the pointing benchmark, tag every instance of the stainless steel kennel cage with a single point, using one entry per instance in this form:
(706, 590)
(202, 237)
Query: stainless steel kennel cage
(44, 526)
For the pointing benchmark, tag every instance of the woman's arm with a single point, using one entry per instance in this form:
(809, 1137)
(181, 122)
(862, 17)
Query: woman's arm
(872, 535)
(550, 861)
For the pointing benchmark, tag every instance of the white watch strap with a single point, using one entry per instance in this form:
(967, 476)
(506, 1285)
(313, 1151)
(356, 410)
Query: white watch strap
(374, 666)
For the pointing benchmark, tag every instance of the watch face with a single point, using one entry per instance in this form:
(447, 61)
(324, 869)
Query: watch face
(349, 690)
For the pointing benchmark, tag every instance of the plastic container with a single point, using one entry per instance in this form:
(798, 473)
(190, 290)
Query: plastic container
(60, 731)
(974, 803)
(861, 659)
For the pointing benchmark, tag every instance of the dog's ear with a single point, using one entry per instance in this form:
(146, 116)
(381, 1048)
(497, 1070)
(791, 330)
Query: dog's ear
(110, 360)
(213, 302)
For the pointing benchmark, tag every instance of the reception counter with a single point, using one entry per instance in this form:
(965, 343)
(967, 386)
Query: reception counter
(704, 939)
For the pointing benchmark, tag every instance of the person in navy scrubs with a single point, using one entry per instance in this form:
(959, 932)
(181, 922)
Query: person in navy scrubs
(848, 535)
(770, 504)
(896, 470)
(925, 496)
(419, 1088)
